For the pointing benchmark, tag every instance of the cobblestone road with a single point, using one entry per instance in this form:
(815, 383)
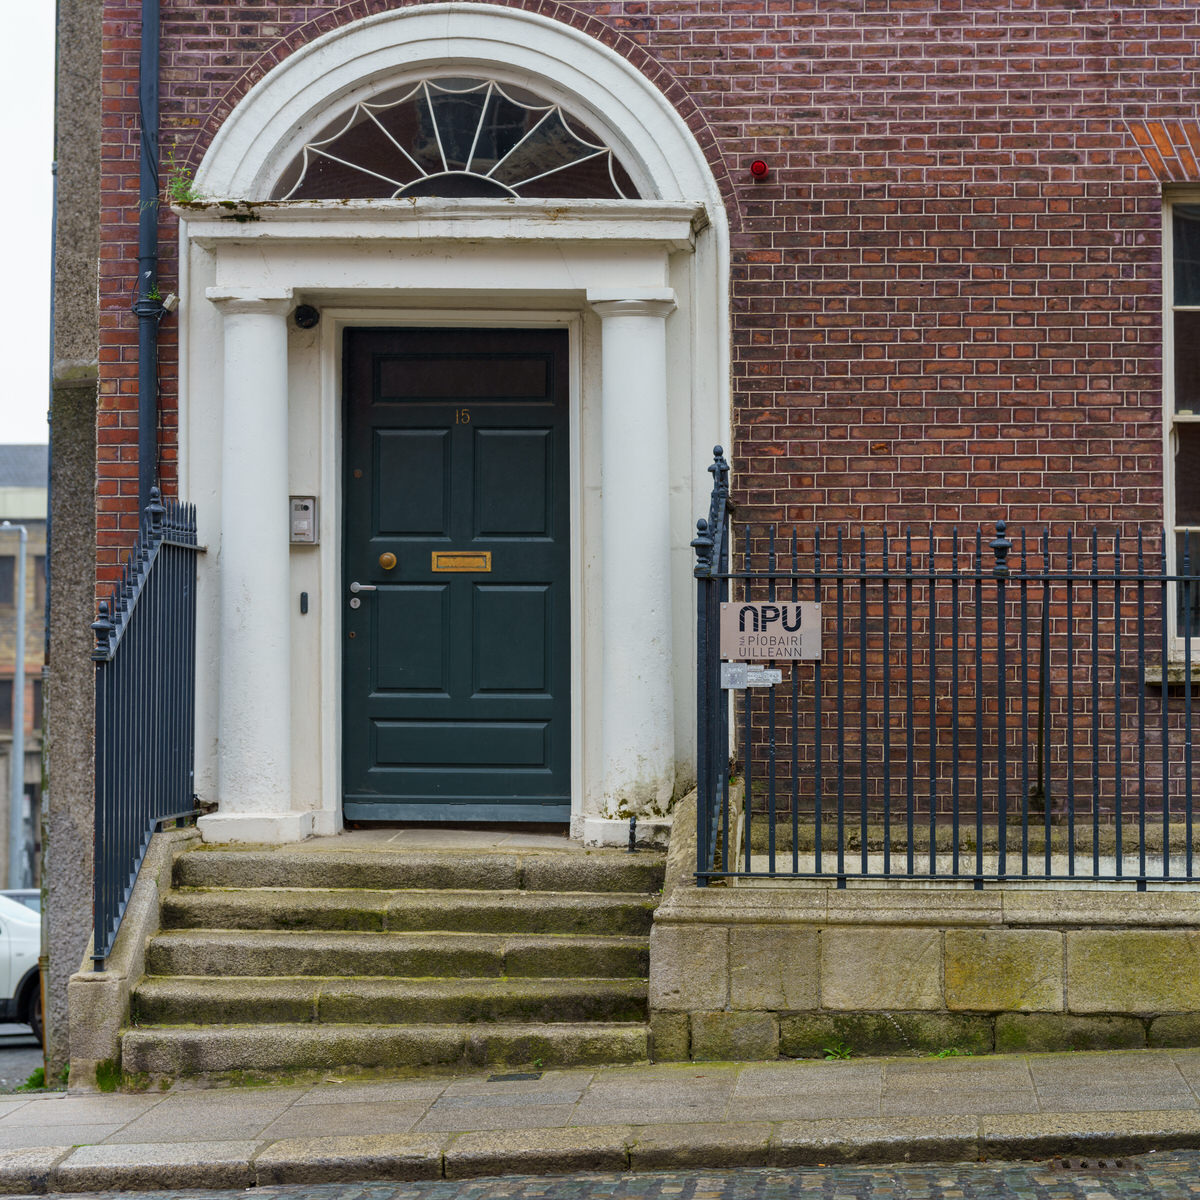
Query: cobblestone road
(1173, 1176)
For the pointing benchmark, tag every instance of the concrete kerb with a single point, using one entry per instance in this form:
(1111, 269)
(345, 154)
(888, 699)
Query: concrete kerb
(98, 1001)
(550, 1152)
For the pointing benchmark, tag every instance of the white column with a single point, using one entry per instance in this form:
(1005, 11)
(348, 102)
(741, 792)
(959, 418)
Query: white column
(638, 734)
(254, 754)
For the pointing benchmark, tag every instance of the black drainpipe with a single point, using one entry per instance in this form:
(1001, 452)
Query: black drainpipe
(148, 305)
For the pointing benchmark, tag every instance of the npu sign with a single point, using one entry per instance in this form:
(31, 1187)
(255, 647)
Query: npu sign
(778, 629)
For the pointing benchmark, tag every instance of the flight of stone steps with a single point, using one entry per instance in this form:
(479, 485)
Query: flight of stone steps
(280, 959)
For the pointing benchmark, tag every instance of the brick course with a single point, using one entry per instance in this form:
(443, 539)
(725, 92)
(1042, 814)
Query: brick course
(946, 295)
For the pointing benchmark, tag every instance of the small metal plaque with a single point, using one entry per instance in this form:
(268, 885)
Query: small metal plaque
(303, 516)
(733, 675)
(738, 675)
(779, 629)
(462, 560)
(762, 676)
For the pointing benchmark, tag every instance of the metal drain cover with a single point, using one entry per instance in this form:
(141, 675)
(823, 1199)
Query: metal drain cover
(515, 1077)
(1091, 1165)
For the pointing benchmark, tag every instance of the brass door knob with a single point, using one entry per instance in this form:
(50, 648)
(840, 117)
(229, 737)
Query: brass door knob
(387, 560)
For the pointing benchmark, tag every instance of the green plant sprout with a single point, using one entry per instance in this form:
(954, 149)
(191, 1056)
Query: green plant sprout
(180, 187)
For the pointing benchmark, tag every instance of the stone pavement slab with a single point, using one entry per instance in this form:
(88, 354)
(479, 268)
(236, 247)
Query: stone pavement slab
(494, 1117)
(373, 1093)
(641, 1118)
(345, 1120)
(177, 1118)
(55, 1135)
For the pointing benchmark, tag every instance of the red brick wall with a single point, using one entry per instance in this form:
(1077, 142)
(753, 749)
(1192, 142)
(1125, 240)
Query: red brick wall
(946, 294)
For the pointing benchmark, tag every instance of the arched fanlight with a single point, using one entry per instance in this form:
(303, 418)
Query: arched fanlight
(456, 137)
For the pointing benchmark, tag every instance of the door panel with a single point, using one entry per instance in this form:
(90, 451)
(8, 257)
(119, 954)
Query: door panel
(456, 682)
(431, 745)
(502, 455)
(409, 639)
(412, 474)
(504, 662)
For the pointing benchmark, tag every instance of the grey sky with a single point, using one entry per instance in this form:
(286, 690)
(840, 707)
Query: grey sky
(27, 95)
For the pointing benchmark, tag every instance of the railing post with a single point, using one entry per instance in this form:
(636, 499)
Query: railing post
(702, 544)
(711, 744)
(1000, 546)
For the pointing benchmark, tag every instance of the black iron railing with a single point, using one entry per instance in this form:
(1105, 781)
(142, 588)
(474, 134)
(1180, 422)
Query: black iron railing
(711, 545)
(145, 707)
(964, 707)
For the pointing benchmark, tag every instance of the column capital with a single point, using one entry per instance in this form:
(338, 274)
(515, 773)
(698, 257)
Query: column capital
(265, 300)
(632, 302)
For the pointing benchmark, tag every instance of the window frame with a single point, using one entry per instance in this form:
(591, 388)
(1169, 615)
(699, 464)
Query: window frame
(1171, 421)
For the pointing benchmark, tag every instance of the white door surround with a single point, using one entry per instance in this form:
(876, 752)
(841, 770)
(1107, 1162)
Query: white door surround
(642, 287)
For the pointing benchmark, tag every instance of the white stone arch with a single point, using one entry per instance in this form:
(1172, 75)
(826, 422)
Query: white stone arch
(642, 282)
(330, 75)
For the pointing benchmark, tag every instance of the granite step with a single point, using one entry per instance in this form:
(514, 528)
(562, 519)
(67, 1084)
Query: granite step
(365, 909)
(203, 1000)
(541, 871)
(243, 952)
(171, 1052)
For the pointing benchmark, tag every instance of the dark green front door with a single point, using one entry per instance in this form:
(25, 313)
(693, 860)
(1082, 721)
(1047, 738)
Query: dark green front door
(456, 669)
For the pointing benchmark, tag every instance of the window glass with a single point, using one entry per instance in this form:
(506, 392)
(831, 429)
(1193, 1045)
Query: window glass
(6, 704)
(8, 574)
(1187, 475)
(456, 136)
(1185, 235)
(1187, 363)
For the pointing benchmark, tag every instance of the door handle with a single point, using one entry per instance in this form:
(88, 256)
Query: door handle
(362, 587)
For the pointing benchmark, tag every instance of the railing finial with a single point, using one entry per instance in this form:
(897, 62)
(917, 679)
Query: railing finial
(1000, 546)
(103, 627)
(702, 543)
(719, 469)
(154, 512)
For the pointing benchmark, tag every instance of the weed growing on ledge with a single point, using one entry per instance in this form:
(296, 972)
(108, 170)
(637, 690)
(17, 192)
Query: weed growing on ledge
(180, 187)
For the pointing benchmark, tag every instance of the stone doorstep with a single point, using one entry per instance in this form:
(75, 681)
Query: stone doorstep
(331, 863)
(463, 1155)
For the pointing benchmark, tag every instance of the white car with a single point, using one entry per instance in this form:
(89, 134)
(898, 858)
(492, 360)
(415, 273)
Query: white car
(20, 945)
